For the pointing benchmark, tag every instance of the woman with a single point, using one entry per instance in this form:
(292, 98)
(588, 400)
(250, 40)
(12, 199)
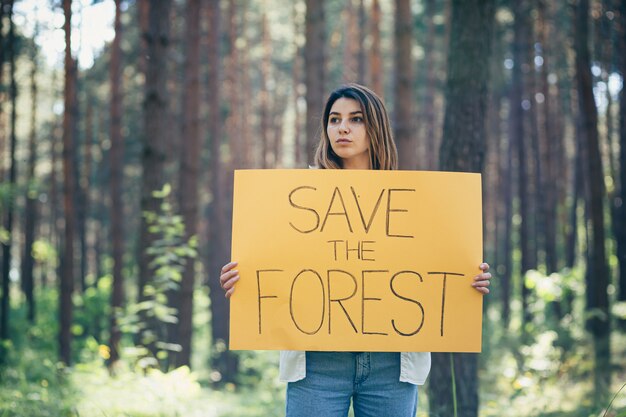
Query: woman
(356, 135)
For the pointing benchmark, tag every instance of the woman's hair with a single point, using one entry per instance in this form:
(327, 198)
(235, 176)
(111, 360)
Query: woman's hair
(382, 150)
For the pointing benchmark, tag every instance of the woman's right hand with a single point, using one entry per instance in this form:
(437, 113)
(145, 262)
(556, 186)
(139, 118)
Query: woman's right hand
(228, 278)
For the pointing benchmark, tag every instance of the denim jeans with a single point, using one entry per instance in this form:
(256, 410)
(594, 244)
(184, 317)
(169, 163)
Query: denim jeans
(369, 379)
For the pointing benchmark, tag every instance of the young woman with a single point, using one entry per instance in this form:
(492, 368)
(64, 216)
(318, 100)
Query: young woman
(356, 135)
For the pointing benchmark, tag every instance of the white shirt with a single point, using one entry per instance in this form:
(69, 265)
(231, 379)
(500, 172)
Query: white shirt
(414, 366)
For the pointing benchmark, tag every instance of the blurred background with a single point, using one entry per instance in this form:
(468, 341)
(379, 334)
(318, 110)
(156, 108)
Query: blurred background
(121, 123)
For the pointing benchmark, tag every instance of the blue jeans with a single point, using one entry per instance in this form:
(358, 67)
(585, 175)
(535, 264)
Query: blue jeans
(370, 380)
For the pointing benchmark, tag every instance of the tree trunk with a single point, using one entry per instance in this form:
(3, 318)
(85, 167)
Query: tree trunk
(5, 304)
(403, 86)
(116, 163)
(375, 55)
(620, 210)
(518, 138)
(315, 72)
(154, 153)
(30, 212)
(597, 273)
(189, 172)
(224, 360)
(69, 187)
(463, 149)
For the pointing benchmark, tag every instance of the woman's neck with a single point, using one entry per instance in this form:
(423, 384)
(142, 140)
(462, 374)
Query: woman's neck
(356, 163)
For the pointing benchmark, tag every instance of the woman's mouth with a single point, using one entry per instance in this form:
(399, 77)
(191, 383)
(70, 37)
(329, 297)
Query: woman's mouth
(343, 140)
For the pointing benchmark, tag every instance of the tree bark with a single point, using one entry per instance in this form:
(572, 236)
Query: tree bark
(315, 72)
(30, 212)
(224, 361)
(189, 172)
(518, 134)
(156, 116)
(5, 303)
(375, 56)
(463, 149)
(116, 163)
(597, 273)
(403, 86)
(620, 199)
(69, 187)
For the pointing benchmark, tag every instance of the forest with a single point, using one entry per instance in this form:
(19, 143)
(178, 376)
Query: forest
(122, 122)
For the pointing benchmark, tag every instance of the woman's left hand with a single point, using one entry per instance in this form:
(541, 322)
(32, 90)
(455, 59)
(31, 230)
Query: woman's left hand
(481, 281)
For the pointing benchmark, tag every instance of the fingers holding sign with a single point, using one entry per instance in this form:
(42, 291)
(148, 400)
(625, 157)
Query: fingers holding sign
(482, 280)
(228, 277)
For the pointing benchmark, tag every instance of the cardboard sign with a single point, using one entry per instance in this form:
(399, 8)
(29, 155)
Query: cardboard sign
(351, 260)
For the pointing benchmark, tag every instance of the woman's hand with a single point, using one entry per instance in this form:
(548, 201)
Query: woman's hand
(481, 281)
(228, 278)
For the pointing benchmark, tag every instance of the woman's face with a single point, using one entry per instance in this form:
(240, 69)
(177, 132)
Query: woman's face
(347, 134)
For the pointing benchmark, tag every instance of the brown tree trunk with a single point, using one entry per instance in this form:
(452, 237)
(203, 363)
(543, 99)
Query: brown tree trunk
(296, 76)
(403, 86)
(154, 153)
(463, 149)
(620, 218)
(116, 164)
(267, 158)
(224, 361)
(69, 187)
(375, 55)
(350, 43)
(597, 273)
(30, 212)
(428, 139)
(518, 135)
(189, 172)
(315, 72)
(5, 304)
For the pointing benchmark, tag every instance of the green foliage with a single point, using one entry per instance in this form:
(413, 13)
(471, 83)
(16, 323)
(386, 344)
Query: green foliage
(150, 317)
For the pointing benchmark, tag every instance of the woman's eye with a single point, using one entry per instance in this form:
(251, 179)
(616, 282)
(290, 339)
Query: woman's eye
(357, 119)
(334, 120)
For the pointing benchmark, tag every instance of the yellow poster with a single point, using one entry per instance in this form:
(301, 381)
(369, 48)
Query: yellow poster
(351, 260)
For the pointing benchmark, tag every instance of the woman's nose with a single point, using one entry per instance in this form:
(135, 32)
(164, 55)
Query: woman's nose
(343, 127)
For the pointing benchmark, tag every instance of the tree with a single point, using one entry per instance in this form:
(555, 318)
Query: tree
(189, 173)
(10, 200)
(597, 272)
(154, 147)
(69, 181)
(375, 60)
(403, 86)
(463, 149)
(30, 212)
(315, 71)
(116, 163)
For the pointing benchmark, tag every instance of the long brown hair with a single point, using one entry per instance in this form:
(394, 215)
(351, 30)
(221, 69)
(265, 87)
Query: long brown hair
(383, 152)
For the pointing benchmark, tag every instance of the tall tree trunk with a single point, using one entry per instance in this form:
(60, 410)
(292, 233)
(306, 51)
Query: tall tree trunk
(315, 72)
(597, 273)
(189, 172)
(463, 149)
(69, 187)
(620, 210)
(154, 153)
(224, 361)
(518, 139)
(267, 159)
(350, 43)
(10, 203)
(427, 121)
(116, 174)
(296, 76)
(30, 212)
(403, 86)
(375, 55)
